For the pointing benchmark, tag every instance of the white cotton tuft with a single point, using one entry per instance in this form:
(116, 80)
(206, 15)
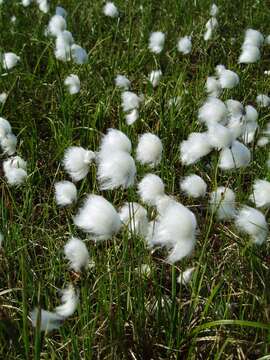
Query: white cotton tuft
(154, 77)
(261, 194)
(114, 140)
(220, 136)
(64, 39)
(77, 254)
(9, 60)
(78, 54)
(253, 37)
(193, 186)
(214, 10)
(212, 111)
(15, 170)
(76, 162)
(110, 10)
(122, 82)
(213, 86)
(149, 149)
(3, 98)
(5, 128)
(17, 162)
(235, 108)
(65, 193)
(228, 79)
(116, 170)
(48, 320)
(175, 229)
(26, 3)
(43, 6)
(150, 188)
(235, 157)
(57, 24)
(70, 302)
(8, 144)
(184, 45)
(250, 125)
(63, 43)
(211, 26)
(250, 54)
(194, 148)
(73, 84)
(222, 203)
(263, 100)
(130, 101)
(132, 117)
(98, 217)
(185, 277)
(253, 223)
(59, 10)
(163, 202)
(134, 216)
(156, 42)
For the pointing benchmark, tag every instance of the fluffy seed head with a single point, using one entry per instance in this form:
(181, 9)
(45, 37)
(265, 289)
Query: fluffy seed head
(9, 60)
(130, 101)
(110, 10)
(175, 229)
(250, 54)
(77, 254)
(65, 193)
(122, 82)
(195, 147)
(228, 79)
(193, 186)
(261, 194)
(132, 117)
(8, 144)
(78, 54)
(48, 320)
(213, 86)
(114, 140)
(149, 150)
(76, 162)
(213, 111)
(237, 156)
(154, 77)
(184, 45)
(185, 277)
(222, 202)
(253, 223)
(263, 100)
(156, 42)
(150, 189)
(5, 128)
(56, 25)
(70, 300)
(15, 171)
(220, 136)
(98, 218)
(253, 37)
(116, 170)
(73, 84)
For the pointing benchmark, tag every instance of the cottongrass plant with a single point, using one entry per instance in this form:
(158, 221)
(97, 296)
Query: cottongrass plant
(98, 218)
(77, 254)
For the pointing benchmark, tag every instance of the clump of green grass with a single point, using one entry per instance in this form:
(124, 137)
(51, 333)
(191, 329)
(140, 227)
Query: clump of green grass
(123, 314)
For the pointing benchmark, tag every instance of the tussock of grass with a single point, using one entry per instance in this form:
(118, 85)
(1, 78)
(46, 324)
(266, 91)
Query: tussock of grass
(224, 312)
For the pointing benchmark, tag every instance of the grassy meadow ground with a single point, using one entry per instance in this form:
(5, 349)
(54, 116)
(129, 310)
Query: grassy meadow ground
(224, 312)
